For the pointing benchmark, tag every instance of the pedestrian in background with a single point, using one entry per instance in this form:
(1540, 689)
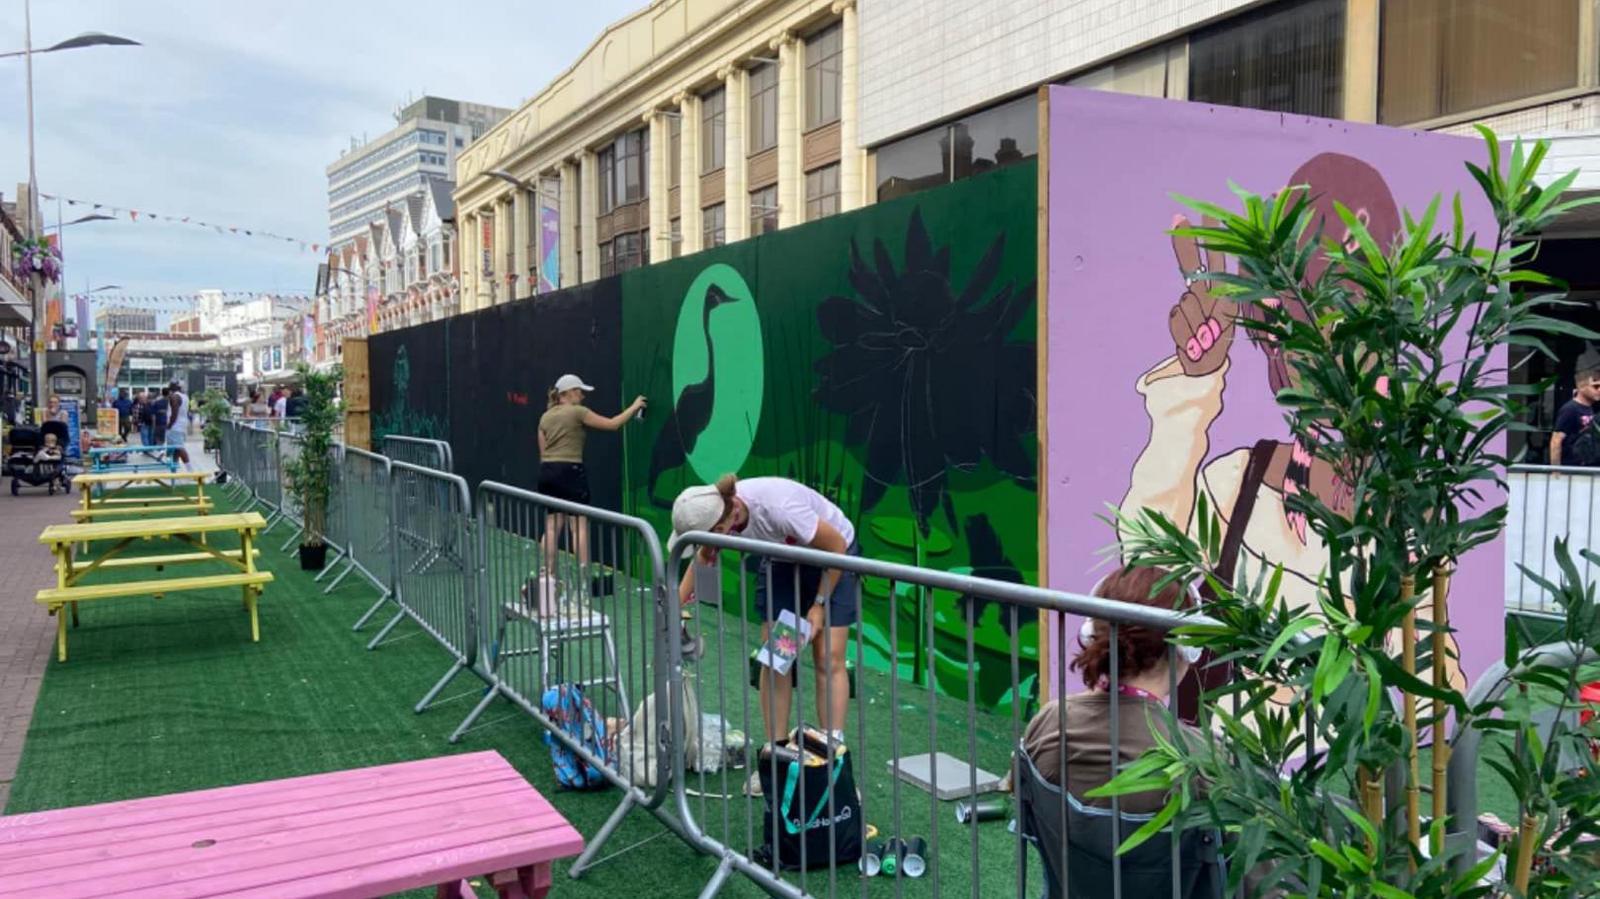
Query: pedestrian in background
(144, 417)
(160, 408)
(178, 423)
(124, 406)
(562, 432)
(1574, 441)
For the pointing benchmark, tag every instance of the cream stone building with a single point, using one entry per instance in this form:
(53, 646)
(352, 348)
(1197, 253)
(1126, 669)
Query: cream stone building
(688, 124)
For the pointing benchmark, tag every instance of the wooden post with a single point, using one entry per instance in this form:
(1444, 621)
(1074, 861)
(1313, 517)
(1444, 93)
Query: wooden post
(357, 402)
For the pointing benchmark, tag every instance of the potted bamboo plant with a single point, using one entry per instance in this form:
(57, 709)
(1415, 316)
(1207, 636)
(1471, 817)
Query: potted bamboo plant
(1311, 757)
(215, 407)
(310, 474)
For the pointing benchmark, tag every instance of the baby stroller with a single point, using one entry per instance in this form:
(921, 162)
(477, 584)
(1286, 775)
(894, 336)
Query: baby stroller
(29, 462)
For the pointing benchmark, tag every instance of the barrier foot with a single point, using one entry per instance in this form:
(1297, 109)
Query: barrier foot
(591, 851)
(455, 668)
(333, 585)
(378, 637)
(714, 885)
(472, 717)
(292, 538)
(273, 521)
(328, 568)
(367, 615)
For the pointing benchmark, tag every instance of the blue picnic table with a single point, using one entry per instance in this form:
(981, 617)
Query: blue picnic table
(133, 458)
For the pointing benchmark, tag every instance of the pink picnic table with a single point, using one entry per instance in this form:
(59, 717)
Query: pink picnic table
(366, 832)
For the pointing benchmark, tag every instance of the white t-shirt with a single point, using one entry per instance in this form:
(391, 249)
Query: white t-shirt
(785, 511)
(281, 407)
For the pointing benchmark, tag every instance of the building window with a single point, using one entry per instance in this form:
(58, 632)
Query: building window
(674, 150)
(713, 134)
(824, 63)
(822, 192)
(608, 259)
(1286, 57)
(713, 226)
(607, 160)
(985, 140)
(632, 155)
(763, 108)
(1441, 57)
(763, 210)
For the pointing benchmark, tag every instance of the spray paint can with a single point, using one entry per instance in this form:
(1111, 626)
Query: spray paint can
(980, 810)
(914, 858)
(872, 859)
(889, 860)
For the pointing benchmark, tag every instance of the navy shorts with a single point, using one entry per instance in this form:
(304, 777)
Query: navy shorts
(844, 606)
(564, 480)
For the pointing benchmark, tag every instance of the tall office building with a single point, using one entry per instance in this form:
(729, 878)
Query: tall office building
(399, 163)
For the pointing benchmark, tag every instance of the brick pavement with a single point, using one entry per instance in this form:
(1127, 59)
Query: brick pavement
(27, 634)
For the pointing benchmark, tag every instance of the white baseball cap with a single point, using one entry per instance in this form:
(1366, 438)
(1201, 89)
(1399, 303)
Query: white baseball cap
(696, 509)
(571, 382)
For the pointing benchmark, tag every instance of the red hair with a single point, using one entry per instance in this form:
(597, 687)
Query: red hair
(1139, 648)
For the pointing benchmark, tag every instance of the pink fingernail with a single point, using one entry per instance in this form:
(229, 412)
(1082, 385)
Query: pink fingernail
(1193, 349)
(1204, 336)
(1216, 329)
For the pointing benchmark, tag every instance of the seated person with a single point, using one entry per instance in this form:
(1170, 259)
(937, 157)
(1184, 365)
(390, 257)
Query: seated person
(1144, 677)
(50, 451)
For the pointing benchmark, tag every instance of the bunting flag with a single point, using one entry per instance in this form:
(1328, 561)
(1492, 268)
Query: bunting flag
(134, 215)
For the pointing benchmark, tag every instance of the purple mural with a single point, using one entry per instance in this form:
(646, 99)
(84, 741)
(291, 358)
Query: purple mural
(1151, 401)
(550, 245)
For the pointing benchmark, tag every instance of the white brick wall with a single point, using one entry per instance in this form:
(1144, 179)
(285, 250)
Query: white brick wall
(924, 60)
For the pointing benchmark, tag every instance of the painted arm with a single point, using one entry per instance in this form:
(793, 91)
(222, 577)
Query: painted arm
(1181, 408)
(592, 419)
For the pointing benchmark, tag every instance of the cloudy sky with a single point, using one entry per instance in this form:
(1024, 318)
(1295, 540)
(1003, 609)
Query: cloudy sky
(232, 109)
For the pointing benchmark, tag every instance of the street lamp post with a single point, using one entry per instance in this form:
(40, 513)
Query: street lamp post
(87, 39)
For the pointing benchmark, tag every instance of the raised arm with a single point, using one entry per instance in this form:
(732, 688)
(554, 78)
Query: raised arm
(592, 419)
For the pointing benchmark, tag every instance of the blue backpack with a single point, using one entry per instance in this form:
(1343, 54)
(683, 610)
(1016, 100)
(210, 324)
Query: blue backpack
(574, 714)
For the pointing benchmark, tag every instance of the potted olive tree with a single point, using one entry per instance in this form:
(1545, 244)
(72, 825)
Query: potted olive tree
(310, 473)
(1396, 383)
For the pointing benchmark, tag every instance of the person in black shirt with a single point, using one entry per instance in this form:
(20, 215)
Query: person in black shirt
(1573, 418)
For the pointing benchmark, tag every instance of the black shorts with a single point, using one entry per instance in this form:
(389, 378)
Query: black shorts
(843, 606)
(564, 480)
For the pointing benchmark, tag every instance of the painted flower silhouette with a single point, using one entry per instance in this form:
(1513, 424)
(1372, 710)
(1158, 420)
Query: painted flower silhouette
(930, 374)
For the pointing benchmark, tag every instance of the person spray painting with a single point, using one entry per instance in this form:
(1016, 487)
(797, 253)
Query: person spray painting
(778, 510)
(562, 431)
(1247, 487)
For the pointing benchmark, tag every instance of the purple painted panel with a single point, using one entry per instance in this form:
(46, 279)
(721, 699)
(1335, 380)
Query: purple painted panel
(1129, 424)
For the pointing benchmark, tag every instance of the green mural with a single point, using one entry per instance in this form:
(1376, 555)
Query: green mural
(884, 357)
(399, 412)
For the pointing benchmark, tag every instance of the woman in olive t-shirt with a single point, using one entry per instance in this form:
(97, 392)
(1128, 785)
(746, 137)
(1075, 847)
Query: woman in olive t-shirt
(562, 430)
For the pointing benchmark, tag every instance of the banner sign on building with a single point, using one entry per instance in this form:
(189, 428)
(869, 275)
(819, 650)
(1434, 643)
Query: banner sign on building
(308, 327)
(550, 246)
(69, 405)
(372, 308)
(487, 242)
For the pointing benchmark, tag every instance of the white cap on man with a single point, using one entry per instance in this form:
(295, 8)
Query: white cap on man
(696, 509)
(571, 382)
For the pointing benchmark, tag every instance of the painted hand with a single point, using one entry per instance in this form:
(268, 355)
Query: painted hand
(1202, 325)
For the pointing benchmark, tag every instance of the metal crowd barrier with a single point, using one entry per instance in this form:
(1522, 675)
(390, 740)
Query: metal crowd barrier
(1546, 503)
(288, 445)
(335, 530)
(572, 596)
(419, 451)
(904, 722)
(365, 507)
(433, 561)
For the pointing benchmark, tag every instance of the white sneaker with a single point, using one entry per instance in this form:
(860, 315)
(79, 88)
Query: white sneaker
(752, 787)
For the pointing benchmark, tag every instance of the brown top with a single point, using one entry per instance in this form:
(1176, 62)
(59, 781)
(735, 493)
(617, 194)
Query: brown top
(1088, 735)
(562, 427)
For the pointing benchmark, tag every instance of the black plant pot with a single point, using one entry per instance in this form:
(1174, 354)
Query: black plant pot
(313, 557)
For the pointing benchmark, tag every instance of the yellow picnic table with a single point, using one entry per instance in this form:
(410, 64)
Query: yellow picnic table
(188, 530)
(104, 494)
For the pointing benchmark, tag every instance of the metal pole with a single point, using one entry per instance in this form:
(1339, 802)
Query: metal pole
(33, 208)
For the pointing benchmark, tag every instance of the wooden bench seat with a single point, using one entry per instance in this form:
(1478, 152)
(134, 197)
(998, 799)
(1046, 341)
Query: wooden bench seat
(159, 562)
(180, 505)
(55, 598)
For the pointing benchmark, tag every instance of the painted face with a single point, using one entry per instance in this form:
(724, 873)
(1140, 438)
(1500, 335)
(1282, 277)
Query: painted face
(1331, 178)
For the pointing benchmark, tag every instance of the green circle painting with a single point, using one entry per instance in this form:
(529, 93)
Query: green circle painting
(718, 372)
